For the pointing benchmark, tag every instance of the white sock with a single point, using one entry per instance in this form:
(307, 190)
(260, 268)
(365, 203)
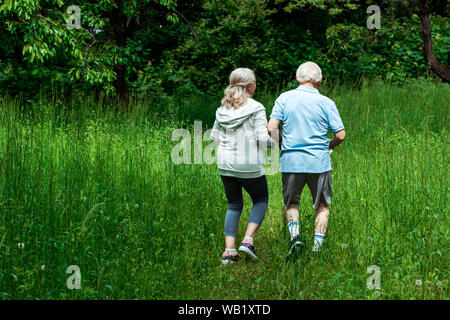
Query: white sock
(249, 239)
(231, 251)
(318, 240)
(293, 228)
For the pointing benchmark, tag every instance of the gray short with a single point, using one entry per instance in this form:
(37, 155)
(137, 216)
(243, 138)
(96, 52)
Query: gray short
(319, 184)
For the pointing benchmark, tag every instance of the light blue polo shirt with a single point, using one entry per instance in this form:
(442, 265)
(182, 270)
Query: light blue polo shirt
(307, 116)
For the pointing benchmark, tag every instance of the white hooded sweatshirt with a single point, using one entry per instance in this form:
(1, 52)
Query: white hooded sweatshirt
(241, 136)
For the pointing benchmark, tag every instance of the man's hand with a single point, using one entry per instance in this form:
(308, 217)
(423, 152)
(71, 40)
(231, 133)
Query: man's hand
(339, 137)
(272, 128)
(272, 125)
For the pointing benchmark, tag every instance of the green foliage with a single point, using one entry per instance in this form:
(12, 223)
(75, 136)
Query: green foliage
(52, 52)
(393, 53)
(165, 47)
(333, 7)
(229, 34)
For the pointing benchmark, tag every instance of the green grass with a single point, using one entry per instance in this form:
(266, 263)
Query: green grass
(83, 185)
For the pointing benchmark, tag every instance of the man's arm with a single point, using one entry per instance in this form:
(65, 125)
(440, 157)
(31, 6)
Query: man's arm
(339, 137)
(272, 128)
(335, 125)
(273, 124)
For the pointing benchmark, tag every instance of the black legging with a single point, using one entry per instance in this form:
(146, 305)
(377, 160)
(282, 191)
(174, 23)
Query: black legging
(256, 188)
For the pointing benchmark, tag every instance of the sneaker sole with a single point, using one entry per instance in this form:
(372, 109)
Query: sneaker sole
(294, 250)
(225, 262)
(248, 252)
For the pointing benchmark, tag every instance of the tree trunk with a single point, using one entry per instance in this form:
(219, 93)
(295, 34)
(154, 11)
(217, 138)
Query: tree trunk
(432, 63)
(118, 31)
(120, 84)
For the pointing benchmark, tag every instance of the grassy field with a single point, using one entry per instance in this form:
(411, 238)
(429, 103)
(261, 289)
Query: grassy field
(83, 185)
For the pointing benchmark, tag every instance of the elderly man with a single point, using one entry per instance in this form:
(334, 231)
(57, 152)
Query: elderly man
(305, 151)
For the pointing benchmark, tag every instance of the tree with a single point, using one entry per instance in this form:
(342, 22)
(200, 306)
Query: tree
(432, 63)
(97, 53)
(347, 34)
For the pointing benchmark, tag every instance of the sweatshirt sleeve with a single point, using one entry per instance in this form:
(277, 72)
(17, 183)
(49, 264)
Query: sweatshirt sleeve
(261, 126)
(215, 133)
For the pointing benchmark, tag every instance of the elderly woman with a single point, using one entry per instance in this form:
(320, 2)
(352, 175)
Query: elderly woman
(241, 135)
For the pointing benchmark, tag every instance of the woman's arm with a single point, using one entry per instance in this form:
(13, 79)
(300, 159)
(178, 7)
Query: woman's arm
(261, 125)
(214, 137)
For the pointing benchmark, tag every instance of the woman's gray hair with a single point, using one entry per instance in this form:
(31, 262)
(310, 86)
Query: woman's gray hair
(236, 94)
(309, 72)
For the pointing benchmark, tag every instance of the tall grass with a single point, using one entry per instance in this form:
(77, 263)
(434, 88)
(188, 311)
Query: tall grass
(81, 184)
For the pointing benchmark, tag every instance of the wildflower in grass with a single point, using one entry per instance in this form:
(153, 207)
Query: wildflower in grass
(21, 245)
(136, 206)
(436, 215)
(344, 246)
(369, 238)
(439, 285)
(43, 267)
(83, 199)
(419, 283)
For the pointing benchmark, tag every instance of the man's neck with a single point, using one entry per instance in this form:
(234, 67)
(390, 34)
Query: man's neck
(309, 84)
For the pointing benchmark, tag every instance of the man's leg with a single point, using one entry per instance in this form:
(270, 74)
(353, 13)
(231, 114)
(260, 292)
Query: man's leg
(293, 184)
(320, 186)
(292, 219)
(292, 212)
(321, 224)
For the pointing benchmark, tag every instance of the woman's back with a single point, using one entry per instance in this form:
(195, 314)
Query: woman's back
(237, 132)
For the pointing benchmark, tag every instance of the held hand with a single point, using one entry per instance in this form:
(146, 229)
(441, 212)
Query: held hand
(330, 147)
(279, 139)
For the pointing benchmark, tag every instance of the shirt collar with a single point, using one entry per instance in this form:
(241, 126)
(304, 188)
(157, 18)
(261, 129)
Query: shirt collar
(308, 89)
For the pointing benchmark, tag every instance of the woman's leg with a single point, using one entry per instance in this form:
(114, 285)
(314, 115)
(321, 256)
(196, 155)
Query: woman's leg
(257, 189)
(233, 192)
(252, 228)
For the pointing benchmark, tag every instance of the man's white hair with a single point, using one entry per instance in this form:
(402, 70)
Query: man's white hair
(309, 72)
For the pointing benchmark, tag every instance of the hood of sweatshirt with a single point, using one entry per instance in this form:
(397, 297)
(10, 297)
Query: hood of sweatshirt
(231, 118)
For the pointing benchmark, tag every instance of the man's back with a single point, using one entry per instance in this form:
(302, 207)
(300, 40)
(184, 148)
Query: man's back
(307, 116)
